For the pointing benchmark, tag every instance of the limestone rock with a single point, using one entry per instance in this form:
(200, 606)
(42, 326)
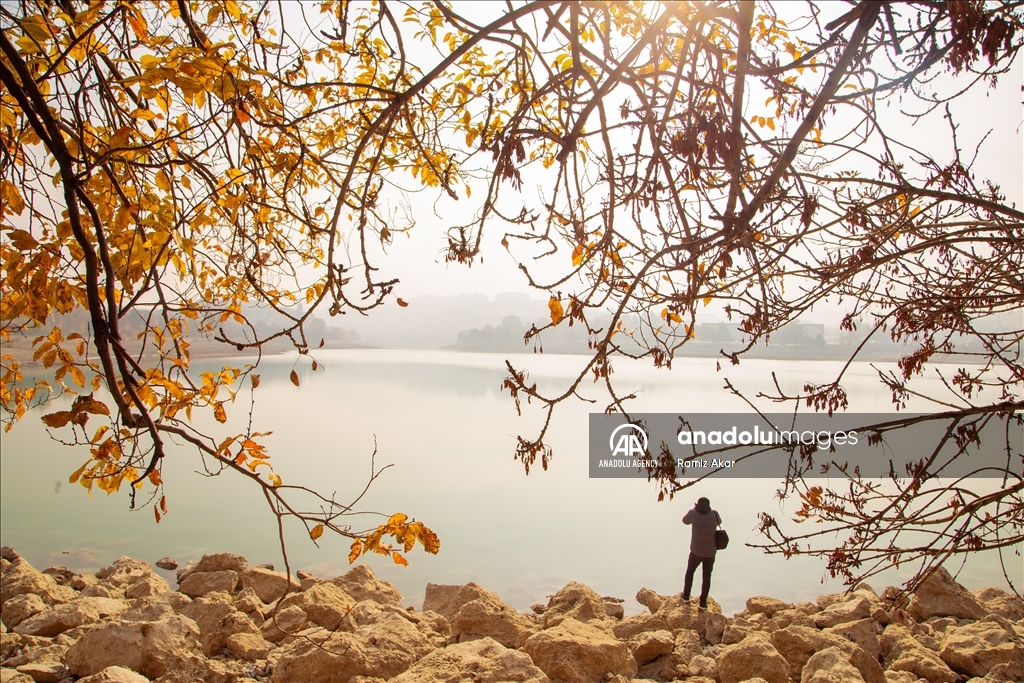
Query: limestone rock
(151, 648)
(219, 562)
(830, 666)
(703, 666)
(287, 621)
(638, 623)
(148, 585)
(940, 596)
(217, 621)
(42, 672)
(325, 604)
(864, 632)
(687, 645)
(20, 608)
(383, 649)
(167, 563)
(900, 677)
(14, 676)
(579, 653)
(973, 649)
(760, 604)
(903, 653)
(613, 607)
(69, 615)
(48, 654)
(61, 574)
(755, 656)
(736, 631)
(489, 617)
(650, 645)
(248, 602)
(1000, 602)
(714, 628)
(20, 578)
(201, 583)
(124, 572)
(447, 600)
(103, 590)
(115, 674)
(843, 612)
(267, 584)
(798, 643)
(481, 661)
(248, 646)
(649, 599)
(362, 584)
(1011, 671)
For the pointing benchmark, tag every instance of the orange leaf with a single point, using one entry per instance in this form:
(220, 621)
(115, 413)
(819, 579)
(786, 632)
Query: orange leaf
(557, 312)
(397, 557)
(255, 380)
(219, 412)
(355, 551)
(402, 303)
(156, 513)
(294, 377)
(316, 532)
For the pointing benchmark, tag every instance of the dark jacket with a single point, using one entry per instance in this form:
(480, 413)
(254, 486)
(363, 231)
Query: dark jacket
(702, 538)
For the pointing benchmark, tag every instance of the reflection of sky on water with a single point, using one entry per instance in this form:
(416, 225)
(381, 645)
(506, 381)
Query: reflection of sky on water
(441, 419)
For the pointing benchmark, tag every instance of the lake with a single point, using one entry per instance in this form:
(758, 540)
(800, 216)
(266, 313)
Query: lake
(441, 420)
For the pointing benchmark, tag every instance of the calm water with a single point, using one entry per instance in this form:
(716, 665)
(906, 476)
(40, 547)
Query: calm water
(443, 423)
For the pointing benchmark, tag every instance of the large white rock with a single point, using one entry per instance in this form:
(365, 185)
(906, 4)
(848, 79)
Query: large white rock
(830, 666)
(151, 648)
(973, 649)
(902, 652)
(69, 615)
(797, 643)
(325, 604)
(754, 656)
(383, 649)
(447, 600)
(488, 616)
(19, 578)
(115, 674)
(362, 584)
(480, 661)
(201, 583)
(940, 596)
(269, 585)
(760, 604)
(579, 653)
(217, 621)
(574, 601)
(21, 607)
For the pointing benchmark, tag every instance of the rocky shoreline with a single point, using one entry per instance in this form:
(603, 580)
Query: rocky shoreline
(229, 622)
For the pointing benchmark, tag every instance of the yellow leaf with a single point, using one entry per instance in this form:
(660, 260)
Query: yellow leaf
(316, 532)
(219, 413)
(254, 380)
(557, 313)
(707, 300)
(275, 479)
(78, 376)
(162, 181)
(355, 551)
(577, 255)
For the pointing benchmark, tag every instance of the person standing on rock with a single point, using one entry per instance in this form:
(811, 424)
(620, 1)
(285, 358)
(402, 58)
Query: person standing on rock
(703, 548)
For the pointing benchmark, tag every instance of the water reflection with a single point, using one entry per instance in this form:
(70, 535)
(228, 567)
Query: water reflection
(450, 433)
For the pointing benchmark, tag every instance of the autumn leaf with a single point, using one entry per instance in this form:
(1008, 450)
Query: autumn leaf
(355, 551)
(316, 532)
(57, 419)
(275, 479)
(219, 412)
(254, 380)
(401, 303)
(294, 377)
(557, 313)
(399, 560)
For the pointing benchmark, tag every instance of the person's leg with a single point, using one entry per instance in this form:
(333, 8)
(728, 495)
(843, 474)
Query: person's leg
(691, 569)
(705, 584)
